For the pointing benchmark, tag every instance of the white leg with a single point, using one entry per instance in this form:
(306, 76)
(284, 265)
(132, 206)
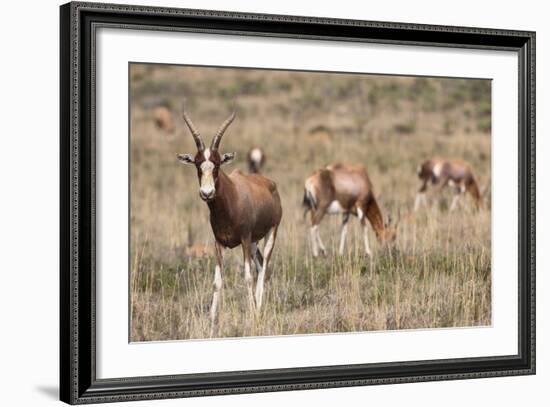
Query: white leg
(419, 200)
(343, 233)
(366, 237)
(216, 295)
(454, 202)
(218, 283)
(249, 280)
(253, 254)
(268, 248)
(320, 242)
(361, 216)
(313, 238)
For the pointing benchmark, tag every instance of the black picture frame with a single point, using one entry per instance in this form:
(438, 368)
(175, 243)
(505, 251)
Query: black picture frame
(78, 382)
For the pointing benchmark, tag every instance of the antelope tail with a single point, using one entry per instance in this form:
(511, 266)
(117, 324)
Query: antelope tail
(309, 203)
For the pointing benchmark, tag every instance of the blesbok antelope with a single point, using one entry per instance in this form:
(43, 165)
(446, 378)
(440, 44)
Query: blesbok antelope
(244, 208)
(163, 119)
(255, 159)
(456, 174)
(345, 189)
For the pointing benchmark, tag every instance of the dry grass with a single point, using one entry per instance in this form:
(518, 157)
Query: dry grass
(438, 272)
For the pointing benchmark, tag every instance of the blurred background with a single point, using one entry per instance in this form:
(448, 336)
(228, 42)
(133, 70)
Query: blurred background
(438, 272)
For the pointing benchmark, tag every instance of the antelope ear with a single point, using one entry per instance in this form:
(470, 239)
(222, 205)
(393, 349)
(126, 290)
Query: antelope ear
(186, 159)
(227, 158)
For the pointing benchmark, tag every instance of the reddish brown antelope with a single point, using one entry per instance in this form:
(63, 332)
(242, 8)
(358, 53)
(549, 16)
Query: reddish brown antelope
(456, 174)
(255, 159)
(243, 210)
(345, 189)
(163, 119)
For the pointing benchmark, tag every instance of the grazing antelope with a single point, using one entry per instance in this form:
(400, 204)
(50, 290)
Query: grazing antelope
(163, 119)
(454, 173)
(244, 208)
(255, 159)
(345, 189)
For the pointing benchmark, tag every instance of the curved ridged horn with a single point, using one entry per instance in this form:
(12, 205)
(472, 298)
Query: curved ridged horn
(196, 135)
(219, 134)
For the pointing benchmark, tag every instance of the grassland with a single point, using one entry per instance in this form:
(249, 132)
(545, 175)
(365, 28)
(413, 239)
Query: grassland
(436, 274)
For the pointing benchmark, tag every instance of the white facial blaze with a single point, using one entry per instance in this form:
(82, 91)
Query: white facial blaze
(256, 155)
(207, 179)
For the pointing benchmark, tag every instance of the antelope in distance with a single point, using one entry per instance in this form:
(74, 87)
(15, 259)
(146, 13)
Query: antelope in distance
(244, 208)
(456, 174)
(163, 119)
(346, 189)
(255, 159)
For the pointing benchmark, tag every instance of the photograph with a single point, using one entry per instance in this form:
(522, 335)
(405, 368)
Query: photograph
(269, 202)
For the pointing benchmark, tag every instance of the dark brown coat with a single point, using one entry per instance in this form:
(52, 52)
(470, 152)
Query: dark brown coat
(245, 208)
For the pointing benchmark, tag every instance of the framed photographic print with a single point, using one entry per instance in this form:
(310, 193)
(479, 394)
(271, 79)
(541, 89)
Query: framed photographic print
(256, 203)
